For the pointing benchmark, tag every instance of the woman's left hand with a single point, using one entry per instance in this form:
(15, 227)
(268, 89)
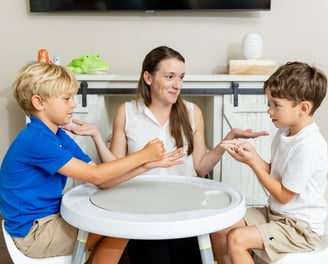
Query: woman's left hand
(247, 133)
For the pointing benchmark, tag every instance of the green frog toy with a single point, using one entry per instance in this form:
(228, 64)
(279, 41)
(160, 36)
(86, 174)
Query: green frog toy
(88, 65)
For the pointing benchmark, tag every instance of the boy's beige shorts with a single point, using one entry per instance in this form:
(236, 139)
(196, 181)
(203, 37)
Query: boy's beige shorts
(49, 236)
(281, 234)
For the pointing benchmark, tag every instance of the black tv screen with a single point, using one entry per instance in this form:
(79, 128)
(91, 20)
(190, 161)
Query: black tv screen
(146, 5)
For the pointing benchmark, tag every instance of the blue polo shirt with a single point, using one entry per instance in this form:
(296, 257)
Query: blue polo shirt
(30, 187)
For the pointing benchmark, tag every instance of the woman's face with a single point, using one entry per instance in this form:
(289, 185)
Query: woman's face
(166, 83)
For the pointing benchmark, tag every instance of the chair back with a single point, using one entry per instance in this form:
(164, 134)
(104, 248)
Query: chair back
(19, 258)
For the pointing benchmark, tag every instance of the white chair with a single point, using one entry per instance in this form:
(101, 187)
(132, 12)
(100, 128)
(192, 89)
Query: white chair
(319, 256)
(19, 258)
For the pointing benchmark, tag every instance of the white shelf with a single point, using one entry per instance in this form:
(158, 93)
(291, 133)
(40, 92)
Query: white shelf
(209, 81)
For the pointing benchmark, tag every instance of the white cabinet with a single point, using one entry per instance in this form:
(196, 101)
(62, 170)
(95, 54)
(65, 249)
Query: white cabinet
(226, 101)
(250, 113)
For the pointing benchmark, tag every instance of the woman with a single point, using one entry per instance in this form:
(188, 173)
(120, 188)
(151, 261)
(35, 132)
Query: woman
(159, 111)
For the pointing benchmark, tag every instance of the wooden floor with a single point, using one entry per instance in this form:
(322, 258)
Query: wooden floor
(4, 256)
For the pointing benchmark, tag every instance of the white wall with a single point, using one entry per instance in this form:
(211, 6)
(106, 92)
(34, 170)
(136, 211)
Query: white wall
(292, 30)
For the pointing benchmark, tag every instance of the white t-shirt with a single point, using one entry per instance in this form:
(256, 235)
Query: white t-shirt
(142, 126)
(300, 162)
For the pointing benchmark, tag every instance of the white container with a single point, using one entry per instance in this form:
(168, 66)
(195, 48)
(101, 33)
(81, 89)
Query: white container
(252, 46)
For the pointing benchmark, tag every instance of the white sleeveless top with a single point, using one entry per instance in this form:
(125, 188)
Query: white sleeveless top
(141, 127)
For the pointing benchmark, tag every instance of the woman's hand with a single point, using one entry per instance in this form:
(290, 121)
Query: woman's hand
(247, 133)
(82, 128)
(170, 159)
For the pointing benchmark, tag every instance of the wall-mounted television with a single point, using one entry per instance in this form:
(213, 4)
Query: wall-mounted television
(146, 5)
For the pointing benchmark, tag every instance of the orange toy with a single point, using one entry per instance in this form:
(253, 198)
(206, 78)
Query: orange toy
(43, 56)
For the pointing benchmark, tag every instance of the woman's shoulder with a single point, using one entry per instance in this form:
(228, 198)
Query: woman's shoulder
(133, 103)
(127, 105)
(132, 107)
(192, 107)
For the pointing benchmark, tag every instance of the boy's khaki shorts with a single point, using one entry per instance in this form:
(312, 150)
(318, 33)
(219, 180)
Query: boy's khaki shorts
(49, 236)
(281, 235)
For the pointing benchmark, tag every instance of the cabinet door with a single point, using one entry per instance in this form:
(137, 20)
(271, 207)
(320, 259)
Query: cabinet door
(250, 113)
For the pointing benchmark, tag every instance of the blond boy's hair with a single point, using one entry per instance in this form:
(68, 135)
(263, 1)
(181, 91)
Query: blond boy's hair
(43, 79)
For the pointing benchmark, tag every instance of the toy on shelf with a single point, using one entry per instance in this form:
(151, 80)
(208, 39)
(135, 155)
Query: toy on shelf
(88, 65)
(43, 56)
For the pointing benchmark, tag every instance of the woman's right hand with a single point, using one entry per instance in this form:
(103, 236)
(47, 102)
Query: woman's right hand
(82, 128)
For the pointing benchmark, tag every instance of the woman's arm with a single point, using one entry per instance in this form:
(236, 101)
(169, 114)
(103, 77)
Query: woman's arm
(202, 165)
(205, 160)
(118, 144)
(88, 129)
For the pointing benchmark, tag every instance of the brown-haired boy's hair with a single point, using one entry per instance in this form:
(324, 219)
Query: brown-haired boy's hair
(298, 81)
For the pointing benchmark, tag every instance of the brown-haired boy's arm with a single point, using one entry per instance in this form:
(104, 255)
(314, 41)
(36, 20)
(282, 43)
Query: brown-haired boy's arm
(245, 153)
(99, 174)
(273, 186)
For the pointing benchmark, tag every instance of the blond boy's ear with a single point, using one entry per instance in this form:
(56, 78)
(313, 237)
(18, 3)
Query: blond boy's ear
(37, 102)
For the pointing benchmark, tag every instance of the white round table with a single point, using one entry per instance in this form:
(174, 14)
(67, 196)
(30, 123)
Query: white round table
(153, 207)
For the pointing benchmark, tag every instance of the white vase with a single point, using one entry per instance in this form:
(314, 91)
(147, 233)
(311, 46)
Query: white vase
(252, 46)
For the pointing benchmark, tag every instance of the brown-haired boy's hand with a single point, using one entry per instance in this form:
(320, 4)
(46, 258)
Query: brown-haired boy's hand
(155, 150)
(241, 151)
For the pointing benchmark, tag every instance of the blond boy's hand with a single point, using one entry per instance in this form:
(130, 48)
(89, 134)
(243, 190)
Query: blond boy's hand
(155, 150)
